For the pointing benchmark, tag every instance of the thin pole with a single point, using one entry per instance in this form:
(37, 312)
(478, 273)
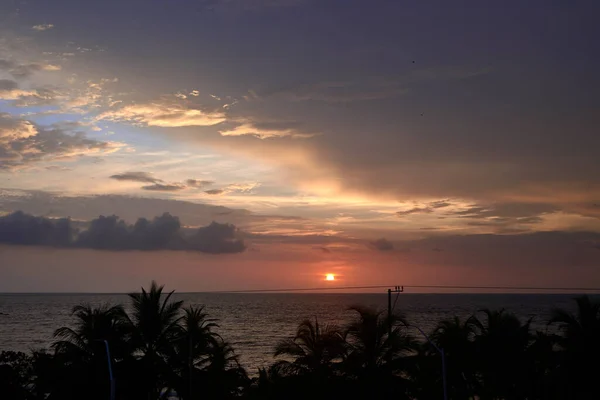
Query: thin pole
(444, 373)
(389, 312)
(191, 363)
(441, 351)
(110, 371)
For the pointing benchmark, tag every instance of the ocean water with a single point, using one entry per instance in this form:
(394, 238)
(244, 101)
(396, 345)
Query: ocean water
(254, 323)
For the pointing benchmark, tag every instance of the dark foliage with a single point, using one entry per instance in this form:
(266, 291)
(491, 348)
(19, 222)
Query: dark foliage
(163, 350)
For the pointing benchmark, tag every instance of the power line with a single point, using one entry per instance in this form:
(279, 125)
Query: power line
(457, 287)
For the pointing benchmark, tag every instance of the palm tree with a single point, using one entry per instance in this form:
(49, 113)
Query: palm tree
(93, 325)
(501, 345)
(221, 375)
(455, 337)
(314, 349)
(155, 327)
(80, 353)
(377, 355)
(579, 342)
(191, 345)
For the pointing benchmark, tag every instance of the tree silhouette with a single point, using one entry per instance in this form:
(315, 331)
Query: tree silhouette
(154, 324)
(455, 337)
(579, 345)
(81, 352)
(314, 349)
(378, 357)
(501, 345)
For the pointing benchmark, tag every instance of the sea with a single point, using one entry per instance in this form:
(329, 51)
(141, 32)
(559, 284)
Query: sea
(253, 323)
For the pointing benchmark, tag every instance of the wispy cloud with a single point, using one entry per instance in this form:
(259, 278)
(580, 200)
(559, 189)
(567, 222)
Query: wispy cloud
(42, 27)
(164, 187)
(163, 114)
(136, 176)
(267, 130)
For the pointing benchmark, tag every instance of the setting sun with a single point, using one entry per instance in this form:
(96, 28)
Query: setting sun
(330, 277)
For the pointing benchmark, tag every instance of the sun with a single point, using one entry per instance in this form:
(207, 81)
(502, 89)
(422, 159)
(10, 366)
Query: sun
(330, 277)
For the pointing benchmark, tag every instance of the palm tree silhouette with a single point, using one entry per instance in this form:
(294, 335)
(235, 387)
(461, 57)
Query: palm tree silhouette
(314, 349)
(378, 357)
(579, 344)
(80, 354)
(154, 323)
(501, 345)
(456, 336)
(191, 345)
(92, 325)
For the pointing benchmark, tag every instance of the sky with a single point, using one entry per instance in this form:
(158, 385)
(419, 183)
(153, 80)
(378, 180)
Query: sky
(246, 144)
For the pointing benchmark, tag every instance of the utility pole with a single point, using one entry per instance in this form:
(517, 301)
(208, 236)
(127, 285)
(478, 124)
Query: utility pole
(397, 289)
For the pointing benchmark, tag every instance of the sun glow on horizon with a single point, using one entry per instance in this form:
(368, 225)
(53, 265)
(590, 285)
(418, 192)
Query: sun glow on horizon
(330, 277)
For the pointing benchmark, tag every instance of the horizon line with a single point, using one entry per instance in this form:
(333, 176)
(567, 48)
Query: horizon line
(324, 290)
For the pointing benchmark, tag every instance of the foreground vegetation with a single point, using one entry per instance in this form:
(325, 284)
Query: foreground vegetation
(163, 349)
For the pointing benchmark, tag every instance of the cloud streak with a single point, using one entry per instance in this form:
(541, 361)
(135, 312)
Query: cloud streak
(164, 115)
(42, 27)
(136, 176)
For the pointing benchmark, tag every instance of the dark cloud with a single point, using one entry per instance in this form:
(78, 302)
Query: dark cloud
(198, 183)
(161, 187)
(136, 176)
(382, 244)
(112, 233)
(6, 65)
(506, 210)
(24, 229)
(217, 238)
(507, 218)
(415, 210)
(25, 70)
(439, 204)
(214, 191)
(323, 249)
(7, 84)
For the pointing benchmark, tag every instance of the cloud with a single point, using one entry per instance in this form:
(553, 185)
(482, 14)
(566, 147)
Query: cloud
(217, 238)
(514, 211)
(42, 27)
(57, 168)
(382, 244)
(241, 187)
(439, 204)
(23, 229)
(415, 210)
(9, 90)
(21, 71)
(136, 176)
(233, 188)
(214, 192)
(166, 115)
(7, 85)
(267, 130)
(160, 187)
(197, 183)
(14, 129)
(111, 233)
(22, 143)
